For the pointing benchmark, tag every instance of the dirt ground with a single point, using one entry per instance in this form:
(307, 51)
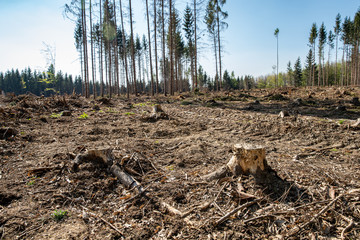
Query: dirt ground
(315, 151)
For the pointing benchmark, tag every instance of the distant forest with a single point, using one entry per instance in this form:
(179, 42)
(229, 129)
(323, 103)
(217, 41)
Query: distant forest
(115, 60)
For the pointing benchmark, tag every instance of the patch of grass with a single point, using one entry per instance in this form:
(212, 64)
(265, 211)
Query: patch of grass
(334, 150)
(341, 121)
(84, 116)
(129, 113)
(144, 104)
(58, 215)
(55, 115)
(110, 110)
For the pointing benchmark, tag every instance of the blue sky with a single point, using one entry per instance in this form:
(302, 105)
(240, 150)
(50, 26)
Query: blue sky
(249, 42)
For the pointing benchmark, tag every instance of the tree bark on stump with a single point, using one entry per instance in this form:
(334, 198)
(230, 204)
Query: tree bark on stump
(247, 159)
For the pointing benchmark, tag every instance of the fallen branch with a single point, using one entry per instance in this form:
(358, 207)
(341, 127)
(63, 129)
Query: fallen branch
(248, 204)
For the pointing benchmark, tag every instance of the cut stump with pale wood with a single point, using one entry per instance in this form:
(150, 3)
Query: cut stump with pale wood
(247, 159)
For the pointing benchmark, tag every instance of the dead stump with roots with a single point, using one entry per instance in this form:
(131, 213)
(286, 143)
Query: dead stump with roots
(249, 159)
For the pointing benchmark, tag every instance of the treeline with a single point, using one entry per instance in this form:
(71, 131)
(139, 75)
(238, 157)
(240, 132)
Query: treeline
(320, 69)
(163, 60)
(39, 83)
(48, 83)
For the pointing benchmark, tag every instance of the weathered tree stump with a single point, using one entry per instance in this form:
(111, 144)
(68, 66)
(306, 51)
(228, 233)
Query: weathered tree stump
(247, 159)
(156, 114)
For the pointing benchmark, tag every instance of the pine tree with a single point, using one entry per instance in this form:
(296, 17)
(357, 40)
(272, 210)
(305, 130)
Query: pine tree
(337, 30)
(312, 41)
(188, 27)
(322, 41)
(211, 24)
(297, 73)
(330, 42)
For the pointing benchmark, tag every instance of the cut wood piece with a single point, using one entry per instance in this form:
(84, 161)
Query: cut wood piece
(127, 180)
(102, 156)
(247, 159)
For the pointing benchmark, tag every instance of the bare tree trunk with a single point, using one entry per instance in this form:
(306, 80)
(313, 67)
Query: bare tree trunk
(219, 44)
(82, 72)
(116, 55)
(342, 67)
(171, 29)
(132, 48)
(92, 52)
(156, 57)
(336, 56)
(110, 68)
(86, 69)
(139, 65)
(124, 52)
(216, 65)
(163, 45)
(149, 39)
(195, 50)
(313, 77)
(101, 54)
(320, 68)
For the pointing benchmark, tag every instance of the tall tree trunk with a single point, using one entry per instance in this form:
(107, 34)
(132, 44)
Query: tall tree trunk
(219, 44)
(155, 44)
(149, 40)
(314, 69)
(86, 69)
(132, 48)
(336, 56)
(216, 64)
(320, 68)
(323, 68)
(110, 69)
(171, 39)
(116, 54)
(195, 49)
(124, 52)
(82, 72)
(101, 54)
(163, 45)
(342, 66)
(92, 52)
(139, 66)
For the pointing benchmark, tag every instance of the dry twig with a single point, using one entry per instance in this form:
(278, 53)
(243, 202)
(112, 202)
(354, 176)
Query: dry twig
(248, 204)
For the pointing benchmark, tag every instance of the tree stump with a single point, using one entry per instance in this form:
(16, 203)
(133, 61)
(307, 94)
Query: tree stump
(247, 159)
(156, 114)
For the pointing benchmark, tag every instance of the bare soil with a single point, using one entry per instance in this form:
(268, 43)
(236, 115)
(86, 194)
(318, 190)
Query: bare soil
(315, 152)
